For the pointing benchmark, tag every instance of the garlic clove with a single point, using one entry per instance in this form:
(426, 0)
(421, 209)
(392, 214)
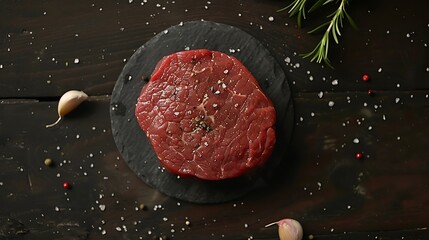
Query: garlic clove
(289, 229)
(68, 101)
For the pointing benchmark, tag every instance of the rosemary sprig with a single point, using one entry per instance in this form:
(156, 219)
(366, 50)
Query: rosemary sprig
(297, 7)
(333, 26)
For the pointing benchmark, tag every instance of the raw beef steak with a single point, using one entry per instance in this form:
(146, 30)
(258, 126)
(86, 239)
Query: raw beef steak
(205, 115)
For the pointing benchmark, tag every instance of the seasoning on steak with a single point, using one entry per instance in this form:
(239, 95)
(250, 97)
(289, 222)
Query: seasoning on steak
(206, 115)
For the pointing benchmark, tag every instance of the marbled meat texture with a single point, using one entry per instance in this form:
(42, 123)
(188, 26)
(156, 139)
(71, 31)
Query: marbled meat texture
(206, 115)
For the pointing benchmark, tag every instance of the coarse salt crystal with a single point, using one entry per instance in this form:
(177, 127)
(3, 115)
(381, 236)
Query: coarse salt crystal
(102, 207)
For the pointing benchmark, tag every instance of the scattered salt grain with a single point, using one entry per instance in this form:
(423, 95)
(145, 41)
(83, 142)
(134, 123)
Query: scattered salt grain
(102, 207)
(335, 82)
(270, 18)
(331, 103)
(76, 60)
(356, 140)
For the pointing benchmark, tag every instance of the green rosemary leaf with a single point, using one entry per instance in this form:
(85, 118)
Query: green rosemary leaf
(283, 9)
(316, 5)
(299, 18)
(334, 36)
(328, 1)
(320, 27)
(352, 23)
(325, 55)
(332, 28)
(297, 7)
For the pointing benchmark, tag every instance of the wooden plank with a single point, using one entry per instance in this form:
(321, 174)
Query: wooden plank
(333, 195)
(40, 42)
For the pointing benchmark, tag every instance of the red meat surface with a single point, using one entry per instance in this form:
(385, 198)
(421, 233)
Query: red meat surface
(206, 115)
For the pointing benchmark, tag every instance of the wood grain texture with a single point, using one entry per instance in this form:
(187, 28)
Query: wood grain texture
(334, 195)
(41, 41)
(321, 184)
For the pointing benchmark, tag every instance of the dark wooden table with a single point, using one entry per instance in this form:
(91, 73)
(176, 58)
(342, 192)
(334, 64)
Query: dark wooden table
(385, 195)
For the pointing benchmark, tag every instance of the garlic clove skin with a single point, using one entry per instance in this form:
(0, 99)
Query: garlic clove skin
(289, 229)
(68, 101)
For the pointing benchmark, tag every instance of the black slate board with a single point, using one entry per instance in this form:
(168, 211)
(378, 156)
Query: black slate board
(135, 147)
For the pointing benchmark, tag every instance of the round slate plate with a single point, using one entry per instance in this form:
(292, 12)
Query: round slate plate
(135, 147)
